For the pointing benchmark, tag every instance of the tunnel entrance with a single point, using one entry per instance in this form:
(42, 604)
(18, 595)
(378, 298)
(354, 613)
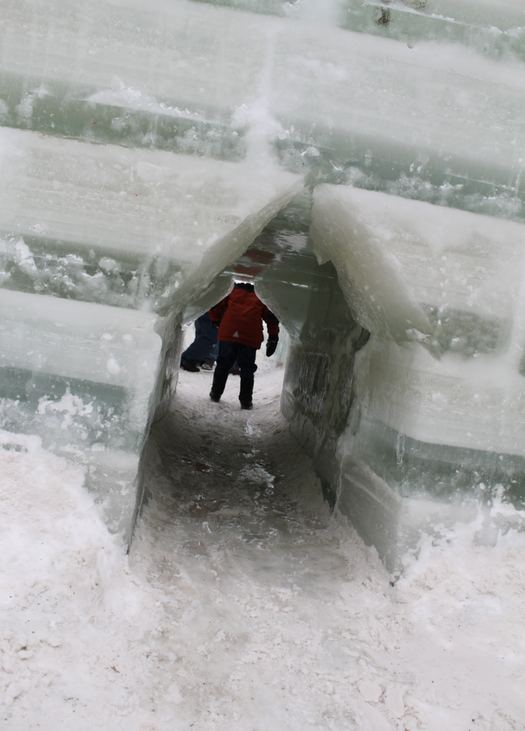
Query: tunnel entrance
(226, 484)
(214, 456)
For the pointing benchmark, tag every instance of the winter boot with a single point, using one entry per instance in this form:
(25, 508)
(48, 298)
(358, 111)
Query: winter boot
(189, 365)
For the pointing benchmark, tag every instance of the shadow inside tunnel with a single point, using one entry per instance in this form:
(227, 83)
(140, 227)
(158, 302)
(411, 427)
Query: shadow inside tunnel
(219, 479)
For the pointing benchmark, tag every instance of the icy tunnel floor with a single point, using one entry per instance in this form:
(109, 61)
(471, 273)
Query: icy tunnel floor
(254, 571)
(244, 605)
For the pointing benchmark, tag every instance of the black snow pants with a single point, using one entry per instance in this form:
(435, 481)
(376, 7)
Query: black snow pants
(245, 357)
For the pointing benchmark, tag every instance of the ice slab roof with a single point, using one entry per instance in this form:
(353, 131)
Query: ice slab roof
(395, 255)
(195, 212)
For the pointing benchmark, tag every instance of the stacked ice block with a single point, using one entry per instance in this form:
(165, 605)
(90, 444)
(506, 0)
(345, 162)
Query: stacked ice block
(182, 75)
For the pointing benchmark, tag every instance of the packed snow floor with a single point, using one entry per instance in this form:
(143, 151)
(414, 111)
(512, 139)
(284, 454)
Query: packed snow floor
(244, 605)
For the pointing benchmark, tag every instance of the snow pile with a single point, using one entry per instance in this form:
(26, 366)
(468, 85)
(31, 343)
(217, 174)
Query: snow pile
(461, 638)
(73, 617)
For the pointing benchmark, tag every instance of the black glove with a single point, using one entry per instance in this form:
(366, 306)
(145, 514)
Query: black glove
(271, 345)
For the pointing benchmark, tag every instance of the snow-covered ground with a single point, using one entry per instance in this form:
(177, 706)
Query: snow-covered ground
(244, 605)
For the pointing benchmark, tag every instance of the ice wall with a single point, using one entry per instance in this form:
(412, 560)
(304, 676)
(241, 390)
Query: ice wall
(101, 248)
(143, 148)
(438, 412)
(104, 240)
(178, 76)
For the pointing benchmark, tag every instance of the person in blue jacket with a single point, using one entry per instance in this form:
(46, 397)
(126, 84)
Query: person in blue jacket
(202, 353)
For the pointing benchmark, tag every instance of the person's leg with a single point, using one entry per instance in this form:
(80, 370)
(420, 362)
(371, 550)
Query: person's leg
(187, 358)
(208, 333)
(246, 361)
(225, 360)
(199, 351)
(212, 357)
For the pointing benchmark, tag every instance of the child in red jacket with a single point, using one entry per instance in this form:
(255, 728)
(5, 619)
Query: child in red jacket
(239, 317)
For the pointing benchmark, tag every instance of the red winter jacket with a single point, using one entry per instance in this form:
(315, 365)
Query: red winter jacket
(240, 315)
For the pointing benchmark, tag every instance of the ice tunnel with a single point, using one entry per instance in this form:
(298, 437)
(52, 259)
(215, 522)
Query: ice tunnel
(362, 158)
